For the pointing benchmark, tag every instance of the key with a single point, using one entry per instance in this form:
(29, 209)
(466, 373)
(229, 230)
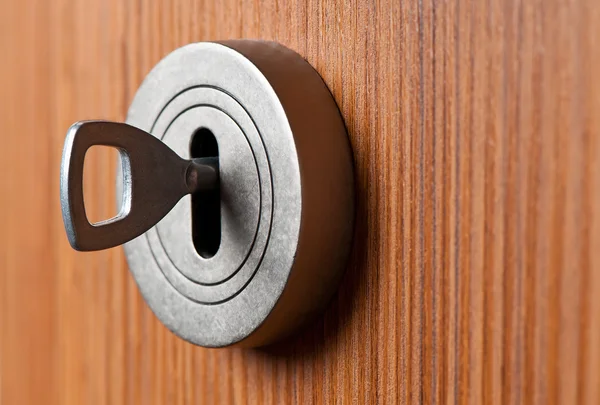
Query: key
(154, 179)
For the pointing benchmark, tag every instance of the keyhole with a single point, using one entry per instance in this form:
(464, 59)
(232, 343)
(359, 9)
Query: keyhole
(206, 206)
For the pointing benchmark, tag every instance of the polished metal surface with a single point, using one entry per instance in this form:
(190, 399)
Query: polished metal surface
(153, 179)
(285, 179)
(298, 140)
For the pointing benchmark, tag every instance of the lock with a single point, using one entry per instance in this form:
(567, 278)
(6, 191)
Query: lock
(236, 192)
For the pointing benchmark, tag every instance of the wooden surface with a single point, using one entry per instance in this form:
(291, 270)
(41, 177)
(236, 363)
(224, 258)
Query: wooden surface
(475, 276)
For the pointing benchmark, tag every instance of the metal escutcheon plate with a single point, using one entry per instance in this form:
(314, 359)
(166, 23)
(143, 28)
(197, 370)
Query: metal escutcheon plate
(287, 194)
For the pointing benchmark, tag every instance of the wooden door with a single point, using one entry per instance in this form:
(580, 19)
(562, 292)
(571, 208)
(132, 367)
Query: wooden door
(475, 275)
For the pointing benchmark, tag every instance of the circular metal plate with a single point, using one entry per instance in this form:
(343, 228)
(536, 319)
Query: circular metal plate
(287, 202)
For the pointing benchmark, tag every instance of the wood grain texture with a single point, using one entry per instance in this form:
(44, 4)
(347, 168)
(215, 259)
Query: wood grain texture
(475, 276)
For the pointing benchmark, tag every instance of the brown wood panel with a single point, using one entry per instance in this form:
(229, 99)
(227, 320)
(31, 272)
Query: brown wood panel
(475, 276)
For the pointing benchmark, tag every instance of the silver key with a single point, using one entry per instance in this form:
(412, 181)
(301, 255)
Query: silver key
(154, 179)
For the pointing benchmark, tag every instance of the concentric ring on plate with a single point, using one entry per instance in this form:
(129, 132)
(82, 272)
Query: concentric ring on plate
(209, 281)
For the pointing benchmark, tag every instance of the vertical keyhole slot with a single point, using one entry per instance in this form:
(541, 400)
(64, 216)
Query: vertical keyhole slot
(206, 205)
